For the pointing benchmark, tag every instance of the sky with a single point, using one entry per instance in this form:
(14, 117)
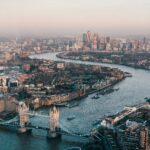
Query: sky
(71, 17)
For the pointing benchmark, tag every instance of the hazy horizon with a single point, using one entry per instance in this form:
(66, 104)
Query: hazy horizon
(73, 17)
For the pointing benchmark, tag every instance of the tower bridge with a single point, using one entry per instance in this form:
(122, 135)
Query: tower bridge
(22, 122)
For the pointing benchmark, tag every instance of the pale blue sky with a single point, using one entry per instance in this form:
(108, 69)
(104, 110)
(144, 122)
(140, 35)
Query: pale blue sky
(75, 16)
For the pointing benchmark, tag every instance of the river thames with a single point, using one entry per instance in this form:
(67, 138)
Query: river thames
(131, 91)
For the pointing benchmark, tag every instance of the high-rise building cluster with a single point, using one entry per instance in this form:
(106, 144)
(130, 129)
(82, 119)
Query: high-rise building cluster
(95, 41)
(87, 42)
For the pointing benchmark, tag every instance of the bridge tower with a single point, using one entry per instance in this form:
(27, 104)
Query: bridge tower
(54, 130)
(23, 117)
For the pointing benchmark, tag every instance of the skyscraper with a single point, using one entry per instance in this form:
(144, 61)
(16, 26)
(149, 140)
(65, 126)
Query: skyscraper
(89, 36)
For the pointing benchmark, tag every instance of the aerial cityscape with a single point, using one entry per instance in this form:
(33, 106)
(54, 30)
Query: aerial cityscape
(74, 75)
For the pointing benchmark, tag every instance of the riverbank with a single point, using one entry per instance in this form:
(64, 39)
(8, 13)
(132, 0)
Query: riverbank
(130, 123)
(63, 82)
(37, 104)
(134, 60)
(58, 99)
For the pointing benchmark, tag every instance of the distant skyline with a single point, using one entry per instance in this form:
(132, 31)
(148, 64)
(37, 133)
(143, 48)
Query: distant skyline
(73, 17)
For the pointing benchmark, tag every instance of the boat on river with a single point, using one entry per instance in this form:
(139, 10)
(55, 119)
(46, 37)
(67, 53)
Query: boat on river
(95, 97)
(108, 91)
(116, 89)
(127, 74)
(61, 104)
(71, 118)
(72, 105)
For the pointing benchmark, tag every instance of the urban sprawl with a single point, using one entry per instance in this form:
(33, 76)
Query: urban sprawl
(40, 83)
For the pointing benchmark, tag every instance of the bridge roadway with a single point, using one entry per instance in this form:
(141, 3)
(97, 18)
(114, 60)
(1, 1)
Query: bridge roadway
(15, 125)
(68, 132)
(62, 132)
